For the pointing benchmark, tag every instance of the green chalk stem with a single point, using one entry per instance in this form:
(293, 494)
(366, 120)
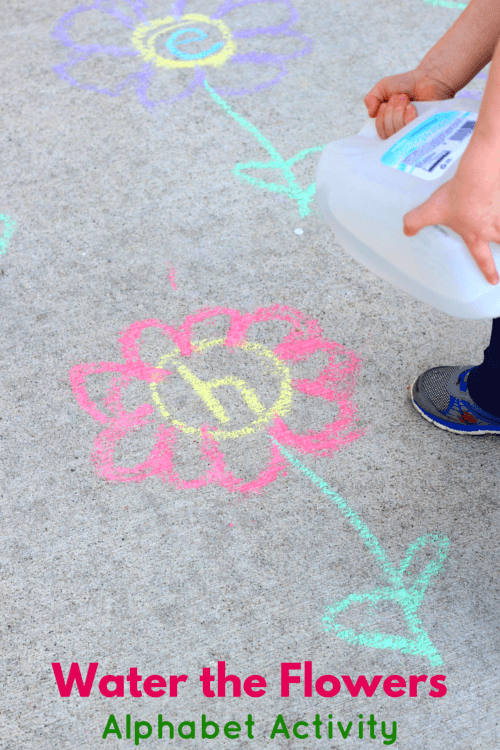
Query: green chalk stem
(292, 189)
(408, 594)
(8, 230)
(447, 4)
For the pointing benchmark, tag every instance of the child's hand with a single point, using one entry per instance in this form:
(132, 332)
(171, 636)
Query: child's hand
(389, 99)
(469, 204)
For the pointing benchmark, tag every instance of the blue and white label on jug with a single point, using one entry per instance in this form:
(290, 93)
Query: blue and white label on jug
(430, 149)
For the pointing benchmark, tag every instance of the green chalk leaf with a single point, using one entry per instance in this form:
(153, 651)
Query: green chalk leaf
(291, 188)
(407, 597)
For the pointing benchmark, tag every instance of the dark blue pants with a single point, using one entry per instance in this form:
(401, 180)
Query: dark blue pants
(484, 381)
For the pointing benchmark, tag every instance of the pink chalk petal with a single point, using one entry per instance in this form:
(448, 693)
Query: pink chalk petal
(219, 474)
(159, 461)
(242, 322)
(130, 343)
(205, 316)
(335, 383)
(78, 379)
(324, 442)
(122, 375)
(275, 466)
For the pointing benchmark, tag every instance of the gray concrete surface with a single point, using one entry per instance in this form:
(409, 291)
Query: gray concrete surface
(109, 197)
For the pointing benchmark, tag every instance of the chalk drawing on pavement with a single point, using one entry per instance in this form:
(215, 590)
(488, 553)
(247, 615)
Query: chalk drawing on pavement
(400, 589)
(201, 43)
(292, 189)
(447, 4)
(205, 390)
(334, 384)
(182, 41)
(171, 278)
(147, 34)
(7, 229)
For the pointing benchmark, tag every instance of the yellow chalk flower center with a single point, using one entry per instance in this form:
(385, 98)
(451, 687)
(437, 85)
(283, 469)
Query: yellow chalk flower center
(205, 390)
(181, 43)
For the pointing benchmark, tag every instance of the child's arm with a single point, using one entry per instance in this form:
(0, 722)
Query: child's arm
(449, 66)
(467, 46)
(470, 202)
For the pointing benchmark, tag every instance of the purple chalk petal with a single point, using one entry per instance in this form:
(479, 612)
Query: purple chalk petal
(144, 81)
(63, 26)
(62, 70)
(258, 87)
(270, 57)
(178, 8)
(230, 5)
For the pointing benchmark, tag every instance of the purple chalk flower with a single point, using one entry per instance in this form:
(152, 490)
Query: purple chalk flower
(117, 44)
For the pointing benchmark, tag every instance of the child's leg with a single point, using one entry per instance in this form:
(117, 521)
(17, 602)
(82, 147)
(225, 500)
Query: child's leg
(484, 381)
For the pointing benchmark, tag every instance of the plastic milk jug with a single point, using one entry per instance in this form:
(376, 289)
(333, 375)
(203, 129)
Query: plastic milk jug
(365, 186)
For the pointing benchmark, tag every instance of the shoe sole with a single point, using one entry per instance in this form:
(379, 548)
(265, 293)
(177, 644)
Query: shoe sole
(445, 426)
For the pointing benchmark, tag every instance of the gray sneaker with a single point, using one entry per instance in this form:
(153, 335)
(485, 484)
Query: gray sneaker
(441, 396)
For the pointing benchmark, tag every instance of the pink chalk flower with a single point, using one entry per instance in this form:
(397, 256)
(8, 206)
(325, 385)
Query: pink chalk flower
(189, 387)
